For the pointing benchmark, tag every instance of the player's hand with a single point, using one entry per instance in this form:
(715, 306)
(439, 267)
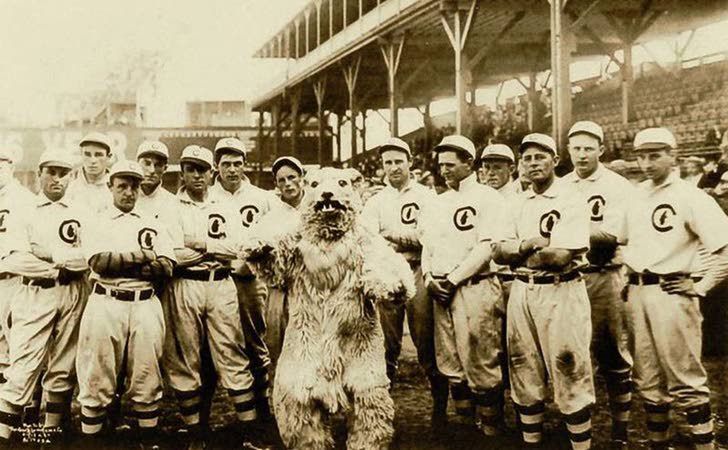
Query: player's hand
(533, 245)
(442, 291)
(195, 244)
(679, 286)
(41, 252)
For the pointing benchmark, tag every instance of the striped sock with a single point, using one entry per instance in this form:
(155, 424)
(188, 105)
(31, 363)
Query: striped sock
(57, 405)
(244, 401)
(578, 425)
(147, 415)
(92, 420)
(189, 406)
(261, 386)
(530, 422)
(462, 398)
(489, 410)
(658, 424)
(619, 388)
(10, 417)
(701, 426)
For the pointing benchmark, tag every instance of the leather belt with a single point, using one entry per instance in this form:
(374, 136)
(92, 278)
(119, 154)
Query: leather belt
(43, 283)
(505, 277)
(548, 279)
(6, 276)
(477, 278)
(202, 275)
(249, 277)
(598, 269)
(125, 295)
(649, 279)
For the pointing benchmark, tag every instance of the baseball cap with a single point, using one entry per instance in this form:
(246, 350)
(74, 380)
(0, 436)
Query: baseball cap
(544, 141)
(395, 143)
(654, 138)
(197, 155)
(152, 148)
(289, 161)
(231, 143)
(126, 168)
(55, 158)
(587, 127)
(456, 142)
(498, 151)
(96, 138)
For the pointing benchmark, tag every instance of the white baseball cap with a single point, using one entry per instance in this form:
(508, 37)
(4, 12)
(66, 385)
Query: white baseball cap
(55, 158)
(152, 148)
(126, 168)
(544, 141)
(289, 161)
(587, 127)
(654, 138)
(197, 155)
(95, 137)
(456, 142)
(498, 151)
(231, 143)
(395, 143)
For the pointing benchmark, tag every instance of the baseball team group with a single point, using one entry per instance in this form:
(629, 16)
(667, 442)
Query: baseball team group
(111, 286)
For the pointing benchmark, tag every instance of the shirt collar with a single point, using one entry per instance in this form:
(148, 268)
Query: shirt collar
(469, 181)
(597, 174)
(671, 178)
(184, 196)
(116, 213)
(101, 181)
(551, 192)
(43, 200)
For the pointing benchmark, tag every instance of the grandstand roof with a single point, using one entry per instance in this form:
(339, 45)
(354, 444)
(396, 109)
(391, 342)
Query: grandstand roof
(509, 37)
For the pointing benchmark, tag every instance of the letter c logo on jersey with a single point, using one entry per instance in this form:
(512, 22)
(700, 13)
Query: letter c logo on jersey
(146, 238)
(464, 218)
(3, 216)
(547, 222)
(661, 217)
(68, 231)
(216, 226)
(596, 207)
(408, 213)
(248, 214)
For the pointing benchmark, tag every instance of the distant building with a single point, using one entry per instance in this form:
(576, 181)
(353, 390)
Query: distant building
(218, 114)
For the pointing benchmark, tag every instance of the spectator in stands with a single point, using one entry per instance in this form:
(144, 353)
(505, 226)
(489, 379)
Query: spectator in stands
(711, 178)
(713, 138)
(694, 169)
(720, 193)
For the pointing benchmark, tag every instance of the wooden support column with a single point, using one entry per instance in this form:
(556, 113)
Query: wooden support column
(339, 122)
(318, 22)
(319, 91)
(627, 84)
(427, 125)
(561, 47)
(462, 16)
(392, 52)
(307, 15)
(261, 146)
(331, 19)
(276, 119)
(295, 122)
(351, 73)
(297, 40)
(363, 130)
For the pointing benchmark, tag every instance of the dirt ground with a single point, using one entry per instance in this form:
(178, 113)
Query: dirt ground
(412, 401)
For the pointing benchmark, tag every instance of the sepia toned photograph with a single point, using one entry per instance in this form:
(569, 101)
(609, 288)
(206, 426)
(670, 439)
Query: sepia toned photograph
(363, 224)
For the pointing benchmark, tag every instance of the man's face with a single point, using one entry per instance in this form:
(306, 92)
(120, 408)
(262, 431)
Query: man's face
(539, 164)
(153, 167)
(125, 191)
(585, 151)
(694, 168)
(6, 172)
(396, 166)
(289, 182)
(54, 181)
(452, 169)
(230, 168)
(196, 177)
(496, 172)
(95, 159)
(656, 164)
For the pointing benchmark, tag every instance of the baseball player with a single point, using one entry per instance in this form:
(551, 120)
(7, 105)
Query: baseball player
(90, 185)
(234, 188)
(667, 222)
(46, 255)
(154, 199)
(203, 305)
(13, 198)
(288, 175)
(607, 195)
(123, 320)
(549, 325)
(393, 213)
(468, 301)
(497, 164)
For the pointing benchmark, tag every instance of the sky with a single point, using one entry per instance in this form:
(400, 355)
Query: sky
(52, 48)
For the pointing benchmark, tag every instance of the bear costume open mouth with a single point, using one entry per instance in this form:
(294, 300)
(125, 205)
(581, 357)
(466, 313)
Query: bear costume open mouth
(328, 206)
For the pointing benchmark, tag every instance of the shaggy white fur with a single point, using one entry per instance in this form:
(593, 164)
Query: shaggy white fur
(332, 359)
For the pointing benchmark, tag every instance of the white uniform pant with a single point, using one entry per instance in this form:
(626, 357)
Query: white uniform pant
(207, 310)
(8, 290)
(45, 330)
(111, 328)
(468, 336)
(549, 331)
(666, 341)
